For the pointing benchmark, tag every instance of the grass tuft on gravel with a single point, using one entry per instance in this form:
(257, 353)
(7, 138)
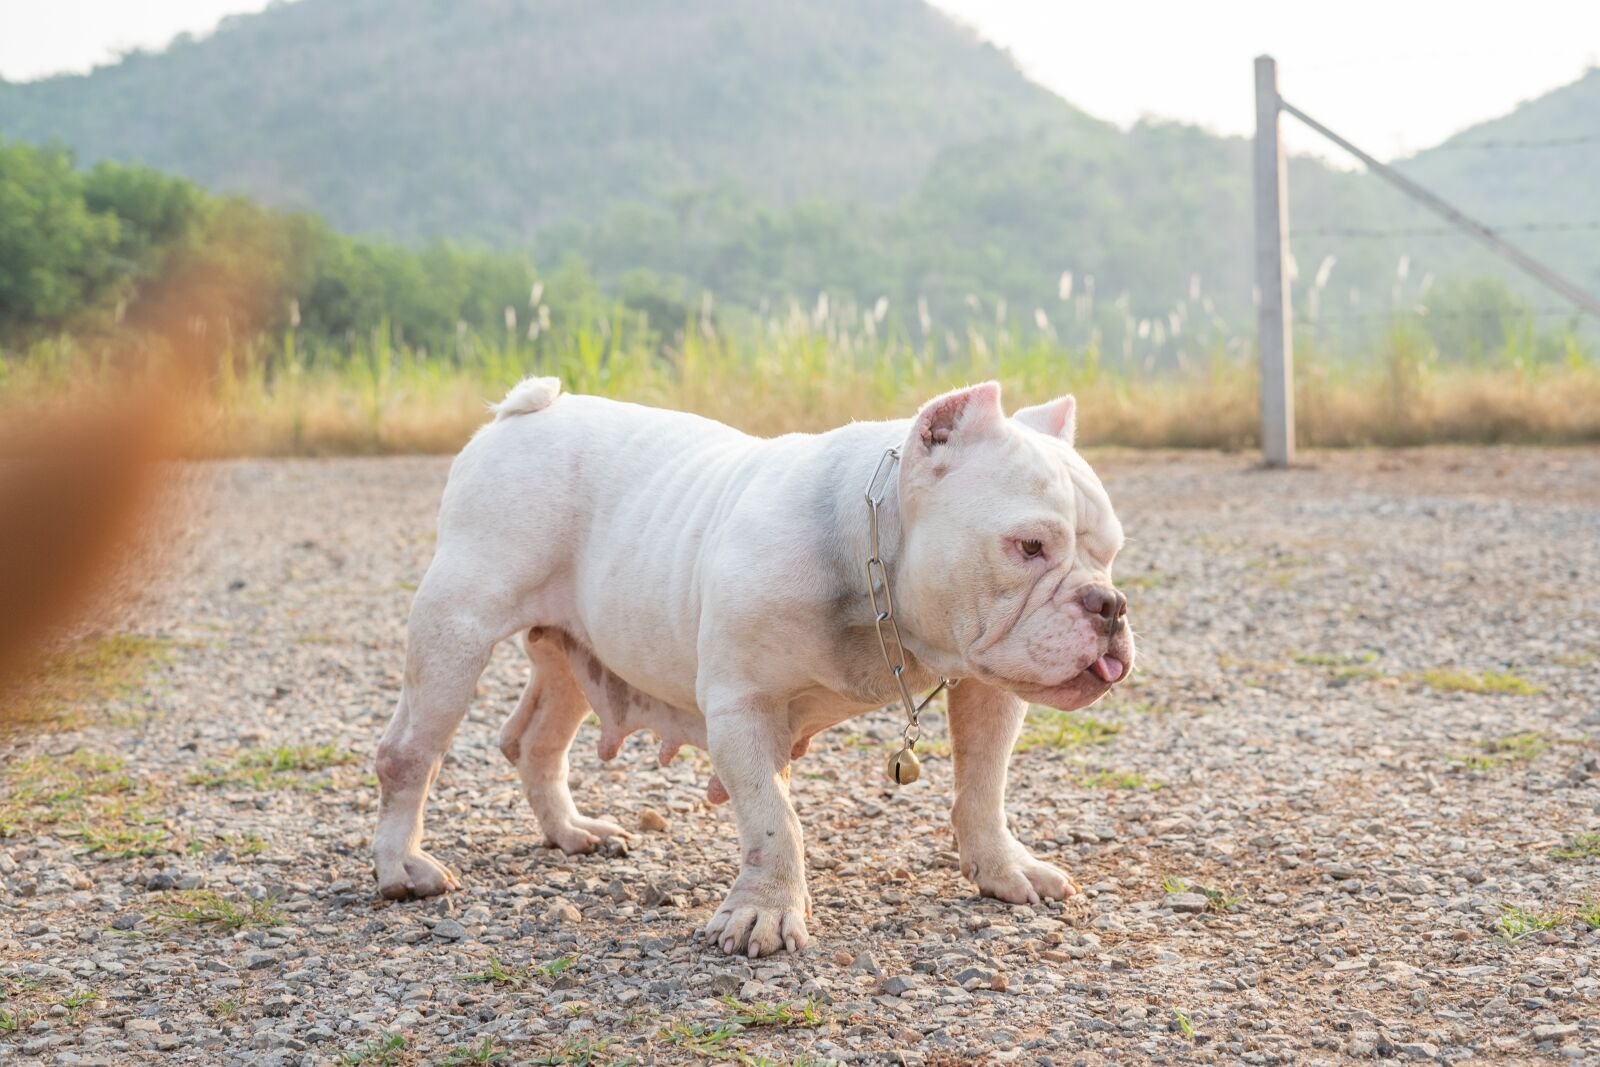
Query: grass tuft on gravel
(1581, 847)
(79, 679)
(223, 1008)
(1332, 659)
(801, 1014)
(462, 1055)
(1217, 900)
(1492, 682)
(202, 907)
(385, 1050)
(578, 1052)
(14, 1020)
(283, 767)
(88, 797)
(1516, 923)
(1501, 752)
(1119, 780)
(1064, 730)
(721, 1041)
(242, 844)
(497, 973)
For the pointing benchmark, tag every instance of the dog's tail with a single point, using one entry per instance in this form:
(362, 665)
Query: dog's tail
(527, 396)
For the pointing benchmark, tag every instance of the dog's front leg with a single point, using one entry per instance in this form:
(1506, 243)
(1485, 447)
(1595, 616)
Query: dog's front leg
(766, 908)
(984, 723)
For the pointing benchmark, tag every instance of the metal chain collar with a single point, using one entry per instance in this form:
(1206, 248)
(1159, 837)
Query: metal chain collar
(877, 488)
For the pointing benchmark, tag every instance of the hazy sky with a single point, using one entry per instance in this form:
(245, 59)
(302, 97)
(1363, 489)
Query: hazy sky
(1392, 75)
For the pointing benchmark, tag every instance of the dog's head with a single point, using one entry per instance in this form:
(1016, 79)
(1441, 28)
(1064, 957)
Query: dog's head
(1005, 569)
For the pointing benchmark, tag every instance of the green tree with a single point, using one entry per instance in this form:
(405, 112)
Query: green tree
(56, 254)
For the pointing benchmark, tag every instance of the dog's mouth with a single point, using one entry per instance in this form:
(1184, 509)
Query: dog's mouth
(1109, 669)
(1083, 688)
(1104, 671)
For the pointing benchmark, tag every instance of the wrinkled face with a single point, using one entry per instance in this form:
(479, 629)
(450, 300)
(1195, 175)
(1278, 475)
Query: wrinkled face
(1008, 543)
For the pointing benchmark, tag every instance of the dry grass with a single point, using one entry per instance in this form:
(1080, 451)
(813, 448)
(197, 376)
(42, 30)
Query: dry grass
(376, 398)
(327, 416)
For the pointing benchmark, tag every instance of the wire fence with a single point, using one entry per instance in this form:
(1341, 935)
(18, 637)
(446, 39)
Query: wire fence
(1541, 226)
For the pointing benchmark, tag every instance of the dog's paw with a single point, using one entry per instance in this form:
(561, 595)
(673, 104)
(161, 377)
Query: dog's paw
(757, 922)
(414, 877)
(1017, 878)
(582, 834)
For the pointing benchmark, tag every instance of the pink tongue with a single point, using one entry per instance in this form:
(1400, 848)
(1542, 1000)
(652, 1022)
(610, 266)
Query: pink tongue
(1109, 668)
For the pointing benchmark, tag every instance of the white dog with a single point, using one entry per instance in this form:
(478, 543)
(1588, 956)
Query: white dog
(678, 576)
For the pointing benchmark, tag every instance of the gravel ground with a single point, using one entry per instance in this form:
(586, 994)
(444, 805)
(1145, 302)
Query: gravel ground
(1368, 849)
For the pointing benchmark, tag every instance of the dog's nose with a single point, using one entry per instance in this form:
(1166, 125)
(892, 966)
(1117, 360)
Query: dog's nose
(1105, 602)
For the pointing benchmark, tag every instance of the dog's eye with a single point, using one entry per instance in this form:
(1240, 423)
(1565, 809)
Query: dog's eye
(1030, 548)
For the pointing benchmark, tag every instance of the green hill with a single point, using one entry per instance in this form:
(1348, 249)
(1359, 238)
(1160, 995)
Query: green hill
(767, 151)
(496, 118)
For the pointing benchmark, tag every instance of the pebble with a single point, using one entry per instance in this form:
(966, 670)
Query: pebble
(449, 930)
(1186, 902)
(899, 984)
(564, 912)
(866, 963)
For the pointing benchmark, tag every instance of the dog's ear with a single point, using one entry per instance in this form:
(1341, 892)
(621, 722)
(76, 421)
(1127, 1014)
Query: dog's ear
(946, 424)
(1058, 418)
(957, 418)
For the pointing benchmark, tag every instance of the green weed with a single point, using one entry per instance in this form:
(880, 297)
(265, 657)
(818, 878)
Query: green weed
(1453, 681)
(14, 1020)
(122, 839)
(1583, 846)
(579, 1052)
(75, 1000)
(807, 1014)
(382, 1051)
(462, 1055)
(247, 844)
(1217, 900)
(1329, 659)
(1063, 730)
(1515, 748)
(87, 796)
(1515, 923)
(1118, 780)
(202, 907)
(720, 1042)
(284, 767)
(497, 973)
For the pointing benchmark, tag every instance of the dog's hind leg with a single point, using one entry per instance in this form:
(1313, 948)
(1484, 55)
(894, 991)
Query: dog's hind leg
(453, 629)
(536, 739)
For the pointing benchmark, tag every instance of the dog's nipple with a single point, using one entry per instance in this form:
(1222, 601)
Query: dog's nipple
(715, 793)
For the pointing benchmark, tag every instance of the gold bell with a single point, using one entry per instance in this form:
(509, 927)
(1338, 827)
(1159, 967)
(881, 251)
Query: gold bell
(904, 767)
